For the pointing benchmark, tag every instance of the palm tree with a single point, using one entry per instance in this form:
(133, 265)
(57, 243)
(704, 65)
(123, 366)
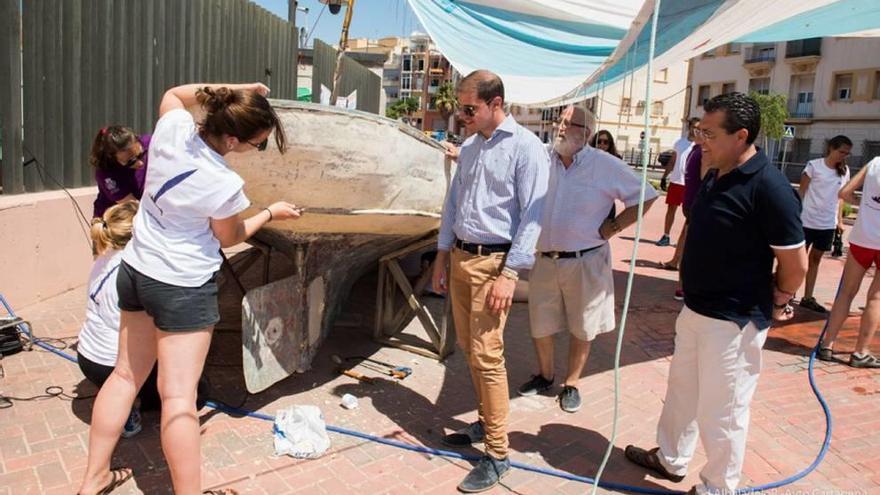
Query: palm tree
(446, 100)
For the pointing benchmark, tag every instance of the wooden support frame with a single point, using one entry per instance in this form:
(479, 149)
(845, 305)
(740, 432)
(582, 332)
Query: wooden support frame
(390, 321)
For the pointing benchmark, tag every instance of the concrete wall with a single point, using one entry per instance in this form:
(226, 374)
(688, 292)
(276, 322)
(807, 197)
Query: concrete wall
(45, 250)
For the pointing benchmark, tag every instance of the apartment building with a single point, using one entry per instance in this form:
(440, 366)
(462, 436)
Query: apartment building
(832, 87)
(417, 69)
(620, 108)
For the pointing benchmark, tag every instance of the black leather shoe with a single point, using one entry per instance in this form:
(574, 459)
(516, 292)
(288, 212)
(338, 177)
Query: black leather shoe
(486, 474)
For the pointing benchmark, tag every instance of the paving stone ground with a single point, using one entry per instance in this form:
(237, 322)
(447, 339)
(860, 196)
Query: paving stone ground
(43, 442)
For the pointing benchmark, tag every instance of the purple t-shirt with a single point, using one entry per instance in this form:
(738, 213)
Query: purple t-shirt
(118, 182)
(692, 176)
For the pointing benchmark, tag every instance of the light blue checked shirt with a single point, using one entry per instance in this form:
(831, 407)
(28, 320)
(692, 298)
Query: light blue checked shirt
(498, 192)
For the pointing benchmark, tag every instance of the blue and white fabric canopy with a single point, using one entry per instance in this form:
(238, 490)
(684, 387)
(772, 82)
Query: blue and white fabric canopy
(550, 51)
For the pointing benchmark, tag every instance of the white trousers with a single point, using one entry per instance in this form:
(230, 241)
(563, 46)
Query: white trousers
(712, 378)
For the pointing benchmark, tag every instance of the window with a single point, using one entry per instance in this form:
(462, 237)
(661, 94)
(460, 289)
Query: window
(406, 81)
(760, 85)
(877, 85)
(734, 48)
(625, 106)
(661, 75)
(703, 95)
(435, 82)
(843, 87)
(435, 64)
(421, 64)
(709, 54)
(407, 63)
(657, 108)
(728, 88)
(640, 107)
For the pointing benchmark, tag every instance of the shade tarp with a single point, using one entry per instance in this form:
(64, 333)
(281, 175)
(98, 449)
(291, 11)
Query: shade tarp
(552, 51)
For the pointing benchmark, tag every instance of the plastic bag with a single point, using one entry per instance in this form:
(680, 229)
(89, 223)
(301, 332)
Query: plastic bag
(300, 432)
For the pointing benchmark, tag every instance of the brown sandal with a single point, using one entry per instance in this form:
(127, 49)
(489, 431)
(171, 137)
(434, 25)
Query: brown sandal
(118, 476)
(648, 459)
(669, 266)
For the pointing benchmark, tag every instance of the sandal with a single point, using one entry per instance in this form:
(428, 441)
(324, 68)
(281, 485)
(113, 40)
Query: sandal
(118, 476)
(669, 266)
(221, 491)
(648, 459)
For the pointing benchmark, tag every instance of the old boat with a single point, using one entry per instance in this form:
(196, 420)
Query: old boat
(370, 186)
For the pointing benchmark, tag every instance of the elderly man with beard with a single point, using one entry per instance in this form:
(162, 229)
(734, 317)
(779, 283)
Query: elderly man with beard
(571, 286)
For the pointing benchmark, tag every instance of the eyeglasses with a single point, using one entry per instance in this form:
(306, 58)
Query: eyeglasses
(261, 146)
(568, 123)
(704, 134)
(133, 160)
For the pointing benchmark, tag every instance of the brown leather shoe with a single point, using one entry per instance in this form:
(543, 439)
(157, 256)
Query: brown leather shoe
(648, 459)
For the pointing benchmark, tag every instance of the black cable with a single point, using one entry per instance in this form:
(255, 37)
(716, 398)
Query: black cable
(41, 169)
(51, 392)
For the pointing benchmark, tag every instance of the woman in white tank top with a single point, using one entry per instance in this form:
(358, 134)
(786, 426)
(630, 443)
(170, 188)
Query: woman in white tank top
(864, 250)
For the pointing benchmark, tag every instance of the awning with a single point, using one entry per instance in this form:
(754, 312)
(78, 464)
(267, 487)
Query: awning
(558, 50)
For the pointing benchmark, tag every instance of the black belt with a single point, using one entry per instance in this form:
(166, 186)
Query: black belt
(481, 249)
(568, 254)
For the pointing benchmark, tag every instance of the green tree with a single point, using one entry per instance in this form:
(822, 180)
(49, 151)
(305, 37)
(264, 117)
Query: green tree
(774, 112)
(446, 100)
(402, 107)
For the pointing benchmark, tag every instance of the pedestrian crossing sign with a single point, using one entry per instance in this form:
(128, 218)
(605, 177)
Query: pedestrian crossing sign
(789, 132)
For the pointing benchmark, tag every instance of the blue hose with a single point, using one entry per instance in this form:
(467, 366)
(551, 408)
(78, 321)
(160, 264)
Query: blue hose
(526, 467)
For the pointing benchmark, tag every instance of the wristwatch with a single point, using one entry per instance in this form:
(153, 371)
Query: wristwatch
(510, 273)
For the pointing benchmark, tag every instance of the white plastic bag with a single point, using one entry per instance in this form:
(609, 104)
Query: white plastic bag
(300, 432)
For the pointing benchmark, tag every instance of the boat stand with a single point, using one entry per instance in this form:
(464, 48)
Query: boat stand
(391, 320)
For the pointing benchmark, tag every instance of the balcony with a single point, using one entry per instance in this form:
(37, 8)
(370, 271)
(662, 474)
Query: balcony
(757, 55)
(802, 110)
(803, 55)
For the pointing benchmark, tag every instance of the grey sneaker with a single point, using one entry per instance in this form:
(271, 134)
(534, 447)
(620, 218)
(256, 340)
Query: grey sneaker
(535, 385)
(486, 474)
(569, 399)
(470, 434)
(132, 424)
(863, 361)
(664, 241)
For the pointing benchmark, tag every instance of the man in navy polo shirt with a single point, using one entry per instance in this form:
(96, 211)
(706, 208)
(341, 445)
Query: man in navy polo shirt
(745, 215)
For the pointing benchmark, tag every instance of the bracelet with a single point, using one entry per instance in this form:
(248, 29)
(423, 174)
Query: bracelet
(270, 213)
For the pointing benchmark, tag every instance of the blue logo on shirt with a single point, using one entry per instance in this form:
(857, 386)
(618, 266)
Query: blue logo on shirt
(167, 186)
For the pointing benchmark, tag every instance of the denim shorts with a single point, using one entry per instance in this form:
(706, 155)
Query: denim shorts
(173, 308)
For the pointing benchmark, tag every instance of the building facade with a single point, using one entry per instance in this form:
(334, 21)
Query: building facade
(417, 69)
(620, 109)
(832, 86)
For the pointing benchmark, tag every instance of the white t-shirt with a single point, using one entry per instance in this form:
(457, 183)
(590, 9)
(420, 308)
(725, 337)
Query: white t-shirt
(866, 231)
(682, 149)
(99, 335)
(579, 198)
(187, 185)
(820, 203)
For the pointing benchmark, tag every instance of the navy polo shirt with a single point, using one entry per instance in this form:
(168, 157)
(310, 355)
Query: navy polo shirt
(736, 221)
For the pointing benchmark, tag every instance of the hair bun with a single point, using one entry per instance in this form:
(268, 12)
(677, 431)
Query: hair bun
(216, 99)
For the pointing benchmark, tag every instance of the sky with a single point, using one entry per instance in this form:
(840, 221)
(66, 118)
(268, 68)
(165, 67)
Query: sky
(371, 19)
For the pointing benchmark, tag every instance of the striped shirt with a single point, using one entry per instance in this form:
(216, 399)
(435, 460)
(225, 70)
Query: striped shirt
(579, 197)
(498, 192)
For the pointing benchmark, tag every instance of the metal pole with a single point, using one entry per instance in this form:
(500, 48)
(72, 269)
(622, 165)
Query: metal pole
(343, 43)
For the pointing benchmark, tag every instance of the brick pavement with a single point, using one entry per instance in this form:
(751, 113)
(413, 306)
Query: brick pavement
(43, 443)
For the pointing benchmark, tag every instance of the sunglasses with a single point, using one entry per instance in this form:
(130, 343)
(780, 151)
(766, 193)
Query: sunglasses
(261, 146)
(133, 160)
(469, 110)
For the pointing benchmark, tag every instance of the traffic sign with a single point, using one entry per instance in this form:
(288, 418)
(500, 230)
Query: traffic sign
(789, 132)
